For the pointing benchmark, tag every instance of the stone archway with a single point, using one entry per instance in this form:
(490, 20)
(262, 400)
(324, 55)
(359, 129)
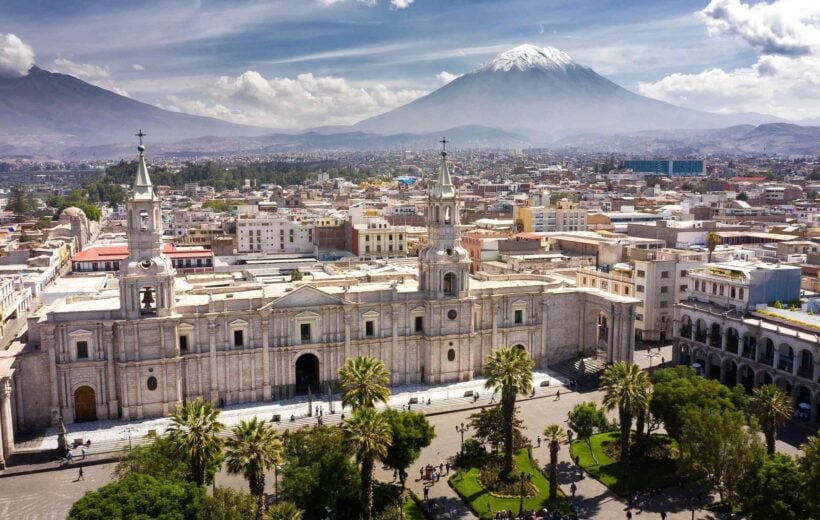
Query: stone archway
(729, 373)
(85, 404)
(307, 374)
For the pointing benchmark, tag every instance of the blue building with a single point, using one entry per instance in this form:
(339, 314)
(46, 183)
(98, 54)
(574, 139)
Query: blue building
(667, 167)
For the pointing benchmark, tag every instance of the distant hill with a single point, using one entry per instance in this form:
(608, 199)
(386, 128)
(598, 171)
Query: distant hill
(462, 137)
(772, 138)
(44, 110)
(544, 94)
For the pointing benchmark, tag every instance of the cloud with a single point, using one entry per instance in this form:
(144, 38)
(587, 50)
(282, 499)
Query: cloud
(787, 27)
(137, 67)
(400, 4)
(785, 79)
(94, 74)
(16, 57)
(445, 77)
(369, 3)
(300, 102)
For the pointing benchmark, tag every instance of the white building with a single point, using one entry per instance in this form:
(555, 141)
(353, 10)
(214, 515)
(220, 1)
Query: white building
(275, 233)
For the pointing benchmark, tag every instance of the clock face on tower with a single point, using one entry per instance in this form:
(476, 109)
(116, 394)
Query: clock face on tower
(146, 264)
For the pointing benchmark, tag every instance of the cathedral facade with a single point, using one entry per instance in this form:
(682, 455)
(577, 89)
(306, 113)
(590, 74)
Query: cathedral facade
(155, 340)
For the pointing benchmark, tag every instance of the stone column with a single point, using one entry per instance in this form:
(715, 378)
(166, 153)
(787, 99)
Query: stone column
(266, 375)
(496, 309)
(110, 371)
(212, 339)
(5, 416)
(543, 358)
(394, 354)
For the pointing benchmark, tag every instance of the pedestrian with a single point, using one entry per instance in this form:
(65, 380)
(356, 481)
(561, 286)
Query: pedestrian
(629, 515)
(421, 473)
(80, 475)
(426, 493)
(663, 515)
(662, 360)
(557, 395)
(69, 457)
(539, 441)
(569, 436)
(572, 489)
(83, 452)
(447, 467)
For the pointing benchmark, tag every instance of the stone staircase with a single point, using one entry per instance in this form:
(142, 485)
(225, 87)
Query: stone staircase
(587, 372)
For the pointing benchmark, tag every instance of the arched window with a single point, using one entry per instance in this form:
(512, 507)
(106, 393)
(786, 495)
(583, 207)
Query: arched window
(436, 212)
(447, 216)
(450, 284)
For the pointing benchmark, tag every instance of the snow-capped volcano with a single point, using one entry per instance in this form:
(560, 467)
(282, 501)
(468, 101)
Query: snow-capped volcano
(544, 94)
(528, 56)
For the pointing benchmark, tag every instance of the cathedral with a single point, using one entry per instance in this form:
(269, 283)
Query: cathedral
(153, 340)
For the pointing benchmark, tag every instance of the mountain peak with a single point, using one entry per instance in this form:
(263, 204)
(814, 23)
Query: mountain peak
(525, 57)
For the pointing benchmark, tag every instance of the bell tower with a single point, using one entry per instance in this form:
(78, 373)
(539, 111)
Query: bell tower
(444, 265)
(146, 276)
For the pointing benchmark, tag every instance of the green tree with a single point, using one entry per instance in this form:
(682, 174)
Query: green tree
(810, 465)
(18, 203)
(411, 432)
(554, 435)
(160, 459)
(43, 223)
(772, 407)
(676, 389)
(585, 419)
(488, 427)
(319, 474)
(776, 488)
(508, 370)
(227, 504)
(140, 496)
(368, 435)
(626, 387)
(720, 449)
(363, 381)
(285, 511)
(253, 449)
(742, 196)
(712, 241)
(194, 428)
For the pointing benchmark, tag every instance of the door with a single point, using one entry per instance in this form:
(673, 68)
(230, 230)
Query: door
(85, 404)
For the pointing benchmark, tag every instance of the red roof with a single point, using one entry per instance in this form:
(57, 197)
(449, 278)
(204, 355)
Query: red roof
(117, 253)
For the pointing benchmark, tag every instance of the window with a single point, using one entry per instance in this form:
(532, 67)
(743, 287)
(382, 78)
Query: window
(733, 293)
(369, 328)
(626, 290)
(604, 284)
(740, 294)
(639, 317)
(664, 274)
(183, 343)
(584, 281)
(451, 355)
(720, 290)
(152, 383)
(238, 338)
(664, 290)
(419, 324)
(304, 332)
(641, 274)
(664, 305)
(683, 287)
(82, 350)
(684, 273)
(519, 316)
(639, 288)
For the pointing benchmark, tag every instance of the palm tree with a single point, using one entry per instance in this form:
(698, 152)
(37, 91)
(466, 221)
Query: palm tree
(364, 381)
(554, 435)
(712, 241)
(194, 427)
(508, 369)
(369, 436)
(772, 407)
(253, 449)
(285, 511)
(642, 414)
(626, 387)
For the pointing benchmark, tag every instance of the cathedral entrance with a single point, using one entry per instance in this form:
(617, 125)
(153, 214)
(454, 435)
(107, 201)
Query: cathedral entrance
(307, 374)
(85, 404)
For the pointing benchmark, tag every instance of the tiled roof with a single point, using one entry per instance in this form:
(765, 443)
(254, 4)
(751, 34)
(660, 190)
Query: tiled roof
(117, 253)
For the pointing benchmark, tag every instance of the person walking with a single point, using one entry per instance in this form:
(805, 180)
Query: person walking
(538, 440)
(629, 515)
(83, 452)
(572, 489)
(663, 515)
(557, 395)
(80, 475)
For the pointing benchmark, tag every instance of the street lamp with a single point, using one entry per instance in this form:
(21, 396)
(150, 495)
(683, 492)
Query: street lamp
(461, 429)
(651, 356)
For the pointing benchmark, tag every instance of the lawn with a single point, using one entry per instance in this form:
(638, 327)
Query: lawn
(658, 469)
(484, 505)
(412, 509)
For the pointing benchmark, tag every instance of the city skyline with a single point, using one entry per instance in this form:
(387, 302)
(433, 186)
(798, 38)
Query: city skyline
(337, 62)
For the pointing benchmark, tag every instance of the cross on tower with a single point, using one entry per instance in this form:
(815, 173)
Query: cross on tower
(140, 134)
(443, 145)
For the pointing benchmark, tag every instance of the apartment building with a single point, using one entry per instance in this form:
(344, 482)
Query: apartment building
(275, 233)
(565, 216)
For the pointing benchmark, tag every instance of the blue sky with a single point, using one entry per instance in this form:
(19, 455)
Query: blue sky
(262, 62)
